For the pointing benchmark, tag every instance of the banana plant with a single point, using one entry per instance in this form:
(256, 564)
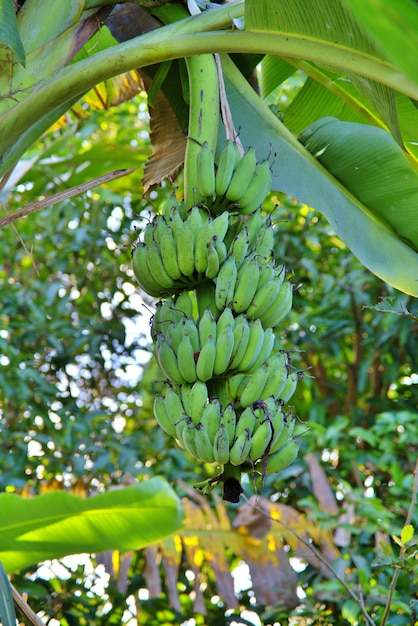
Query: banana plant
(345, 145)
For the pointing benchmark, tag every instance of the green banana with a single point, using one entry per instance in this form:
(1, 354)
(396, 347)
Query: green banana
(220, 225)
(140, 269)
(277, 376)
(241, 338)
(180, 425)
(176, 222)
(167, 361)
(168, 248)
(185, 359)
(174, 405)
(264, 243)
(221, 445)
(212, 267)
(203, 444)
(265, 351)
(204, 236)
(243, 174)
(246, 422)
(224, 348)
(198, 400)
(165, 315)
(185, 249)
(268, 274)
(226, 166)
(205, 172)
(257, 190)
(211, 417)
(196, 219)
(246, 285)
(229, 420)
(190, 329)
(283, 457)
(233, 384)
(185, 391)
(283, 435)
(261, 440)
(220, 248)
(171, 206)
(184, 303)
(290, 387)
(254, 224)
(280, 308)
(255, 344)
(162, 416)
(148, 234)
(225, 283)
(225, 319)
(188, 439)
(206, 327)
(174, 336)
(206, 360)
(253, 388)
(240, 246)
(157, 270)
(240, 450)
(265, 297)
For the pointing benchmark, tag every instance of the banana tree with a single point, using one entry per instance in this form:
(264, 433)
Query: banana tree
(345, 145)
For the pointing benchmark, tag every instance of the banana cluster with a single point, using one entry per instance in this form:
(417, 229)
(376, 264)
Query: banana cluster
(238, 183)
(176, 254)
(222, 295)
(187, 350)
(216, 433)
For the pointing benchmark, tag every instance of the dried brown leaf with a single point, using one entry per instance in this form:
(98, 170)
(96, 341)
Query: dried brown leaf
(168, 143)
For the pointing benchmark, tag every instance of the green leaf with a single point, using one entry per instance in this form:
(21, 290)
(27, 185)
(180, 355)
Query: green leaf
(7, 608)
(394, 26)
(331, 23)
(370, 165)
(57, 524)
(407, 533)
(9, 32)
(299, 174)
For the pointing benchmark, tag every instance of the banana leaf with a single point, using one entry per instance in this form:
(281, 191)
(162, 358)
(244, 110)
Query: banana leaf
(394, 27)
(9, 32)
(57, 524)
(386, 250)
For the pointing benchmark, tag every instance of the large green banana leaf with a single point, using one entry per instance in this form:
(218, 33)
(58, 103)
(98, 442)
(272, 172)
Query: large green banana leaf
(372, 232)
(58, 524)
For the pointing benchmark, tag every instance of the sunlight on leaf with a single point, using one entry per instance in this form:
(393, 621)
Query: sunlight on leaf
(58, 523)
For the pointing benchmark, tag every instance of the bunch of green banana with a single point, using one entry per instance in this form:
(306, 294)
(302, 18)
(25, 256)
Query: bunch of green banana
(216, 433)
(212, 263)
(239, 183)
(274, 378)
(187, 350)
(176, 253)
(256, 287)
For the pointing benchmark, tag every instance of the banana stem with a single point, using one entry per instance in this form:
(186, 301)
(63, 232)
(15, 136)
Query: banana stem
(205, 298)
(203, 119)
(231, 483)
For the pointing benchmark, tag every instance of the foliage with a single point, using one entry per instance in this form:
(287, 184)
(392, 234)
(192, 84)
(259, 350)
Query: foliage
(75, 399)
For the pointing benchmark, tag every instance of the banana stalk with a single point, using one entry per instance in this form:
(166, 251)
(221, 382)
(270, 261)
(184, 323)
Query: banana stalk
(203, 120)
